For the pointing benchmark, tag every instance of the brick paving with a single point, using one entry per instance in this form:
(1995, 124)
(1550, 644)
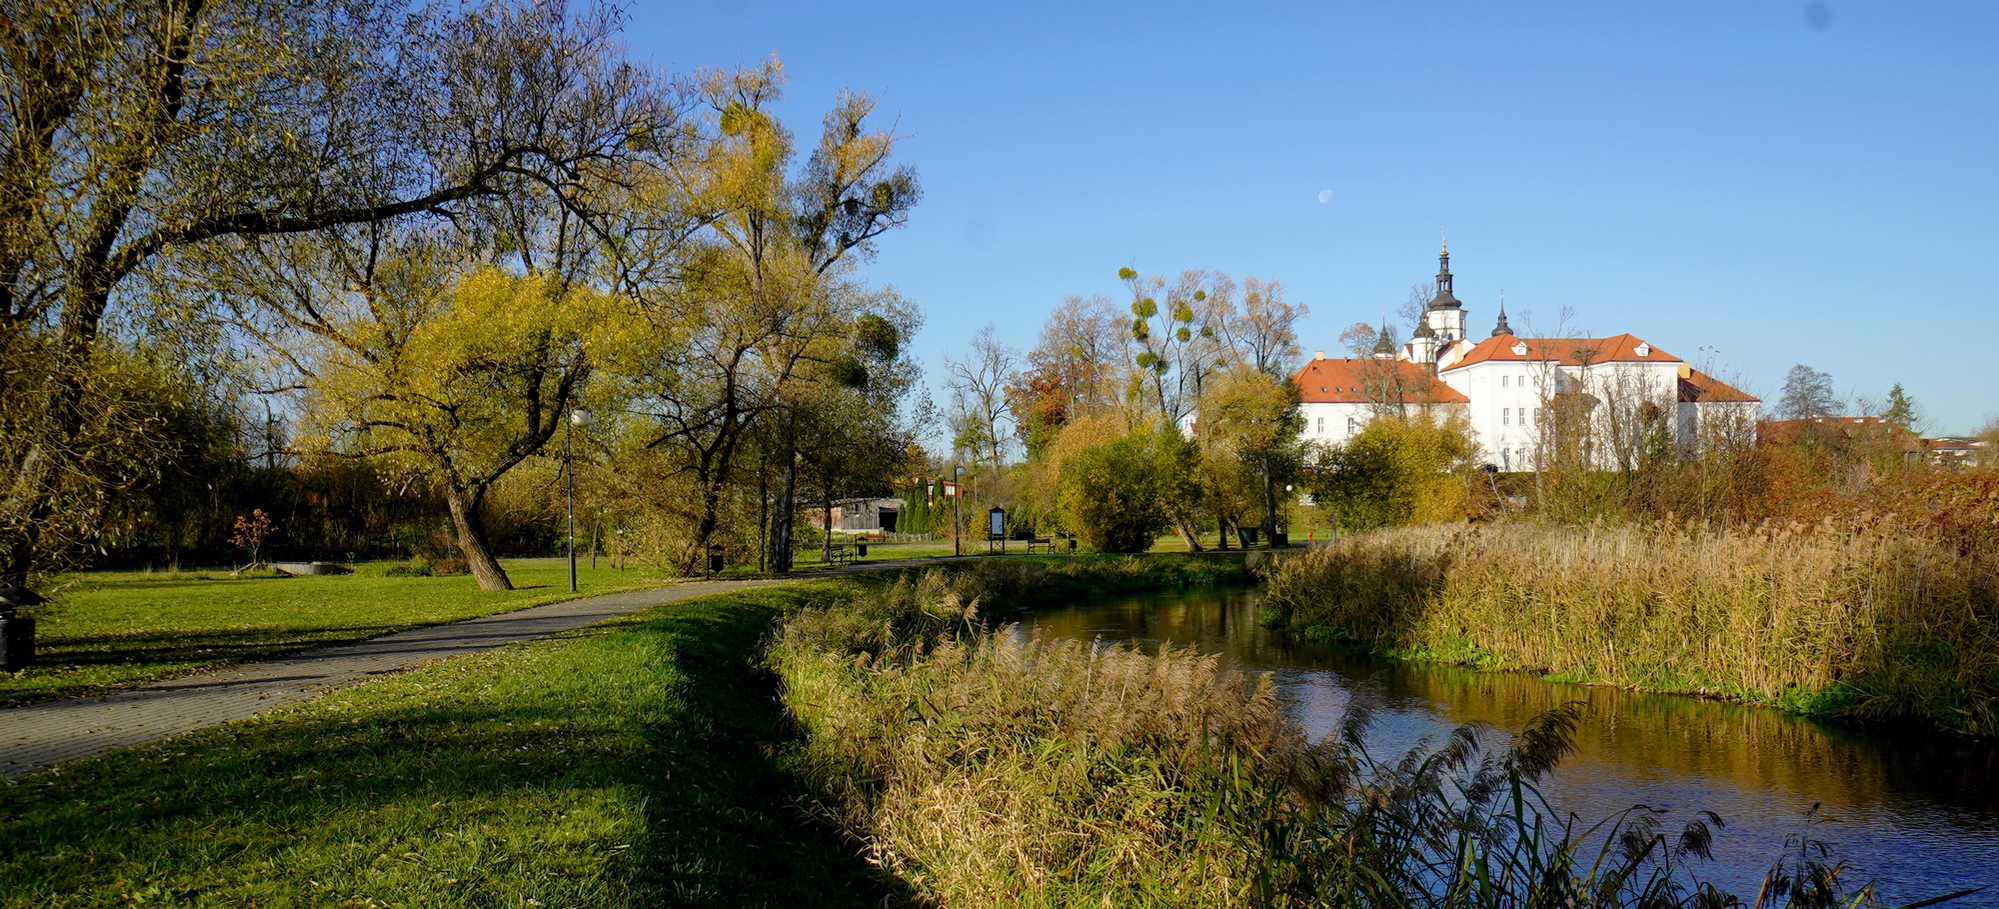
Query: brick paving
(38, 735)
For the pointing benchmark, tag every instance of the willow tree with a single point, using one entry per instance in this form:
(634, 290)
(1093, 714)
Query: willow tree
(755, 304)
(453, 374)
(1249, 439)
(132, 132)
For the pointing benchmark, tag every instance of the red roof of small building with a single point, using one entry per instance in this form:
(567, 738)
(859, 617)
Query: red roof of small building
(1567, 351)
(1784, 432)
(1699, 387)
(1348, 381)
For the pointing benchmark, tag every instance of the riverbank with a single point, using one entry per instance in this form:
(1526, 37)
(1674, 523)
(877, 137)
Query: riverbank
(1837, 622)
(860, 741)
(986, 767)
(629, 764)
(623, 765)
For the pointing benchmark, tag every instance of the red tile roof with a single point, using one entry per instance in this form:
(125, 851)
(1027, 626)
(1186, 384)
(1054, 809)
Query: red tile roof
(1569, 351)
(1346, 381)
(1784, 432)
(1702, 388)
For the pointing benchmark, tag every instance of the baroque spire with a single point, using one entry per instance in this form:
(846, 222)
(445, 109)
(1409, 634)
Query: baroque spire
(1444, 298)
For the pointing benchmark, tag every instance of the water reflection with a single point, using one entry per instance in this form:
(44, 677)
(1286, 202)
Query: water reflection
(1915, 810)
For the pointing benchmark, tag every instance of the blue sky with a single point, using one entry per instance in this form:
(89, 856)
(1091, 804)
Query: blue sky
(1777, 182)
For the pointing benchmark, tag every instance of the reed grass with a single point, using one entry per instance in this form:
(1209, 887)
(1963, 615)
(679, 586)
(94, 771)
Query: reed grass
(1852, 620)
(985, 767)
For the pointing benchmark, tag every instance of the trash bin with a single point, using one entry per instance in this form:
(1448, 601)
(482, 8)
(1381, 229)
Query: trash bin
(1280, 538)
(17, 641)
(861, 549)
(17, 632)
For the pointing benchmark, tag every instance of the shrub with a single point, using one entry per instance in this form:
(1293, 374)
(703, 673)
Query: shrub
(1396, 471)
(1113, 495)
(416, 567)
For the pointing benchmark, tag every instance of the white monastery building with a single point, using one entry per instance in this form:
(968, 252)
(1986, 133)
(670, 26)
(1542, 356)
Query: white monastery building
(1501, 385)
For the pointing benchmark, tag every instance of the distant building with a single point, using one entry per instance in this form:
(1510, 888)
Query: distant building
(1337, 397)
(1953, 451)
(864, 516)
(1503, 384)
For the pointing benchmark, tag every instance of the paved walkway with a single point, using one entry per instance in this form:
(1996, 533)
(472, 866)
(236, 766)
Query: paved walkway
(38, 735)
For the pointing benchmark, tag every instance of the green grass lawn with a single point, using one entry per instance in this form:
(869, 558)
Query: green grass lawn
(106, 630)
(628, 764)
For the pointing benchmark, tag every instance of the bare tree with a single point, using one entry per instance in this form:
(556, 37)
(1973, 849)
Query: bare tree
(1808, 395)
(1172, 344)
(1262, 334)
(978, 384)
(1418, 302)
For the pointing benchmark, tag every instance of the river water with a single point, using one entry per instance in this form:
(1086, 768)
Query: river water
(1914, 810)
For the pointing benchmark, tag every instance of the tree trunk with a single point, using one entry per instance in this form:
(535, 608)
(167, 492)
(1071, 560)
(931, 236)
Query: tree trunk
(780, 513)
(1269, 505)
(1188, 534)
(471, 530)
(763, 516)
(826, 529)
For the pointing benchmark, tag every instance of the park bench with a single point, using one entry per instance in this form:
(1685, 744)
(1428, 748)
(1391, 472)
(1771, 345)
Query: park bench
(1044, 543)
(847, 553)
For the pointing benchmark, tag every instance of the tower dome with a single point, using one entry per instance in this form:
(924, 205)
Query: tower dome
(1444, 298)
(1383, 348)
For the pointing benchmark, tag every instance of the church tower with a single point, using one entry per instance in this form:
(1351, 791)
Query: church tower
(1443, 322)
(1445, 316)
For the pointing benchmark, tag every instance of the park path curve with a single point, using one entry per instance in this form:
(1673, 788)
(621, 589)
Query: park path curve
(39, 735)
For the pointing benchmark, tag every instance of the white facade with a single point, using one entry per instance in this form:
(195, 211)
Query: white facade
(1331, 422)
(1504, 384)
(1626, 385)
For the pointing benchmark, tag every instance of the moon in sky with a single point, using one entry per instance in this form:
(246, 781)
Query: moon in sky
(1325, 196)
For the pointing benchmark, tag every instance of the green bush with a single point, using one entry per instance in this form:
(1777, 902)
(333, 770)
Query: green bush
(1114, 496)
(416, 567)
(1396, 471)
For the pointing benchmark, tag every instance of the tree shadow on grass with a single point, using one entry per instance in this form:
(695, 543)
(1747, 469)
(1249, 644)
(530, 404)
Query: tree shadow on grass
(627, 769)
(772, 854)
(197, 646)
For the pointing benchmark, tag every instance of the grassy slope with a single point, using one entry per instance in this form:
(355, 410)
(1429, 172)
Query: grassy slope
(624, 765)
(115, 629)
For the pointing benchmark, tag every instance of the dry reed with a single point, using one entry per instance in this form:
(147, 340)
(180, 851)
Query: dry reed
(984, 767)
(993, 769)
(1859, 620)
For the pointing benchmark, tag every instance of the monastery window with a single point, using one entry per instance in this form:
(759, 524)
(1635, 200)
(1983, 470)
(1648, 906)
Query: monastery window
(1504, 380)
(1506, 416)
(1352, 427)
(1537, 414)
(1322, 426)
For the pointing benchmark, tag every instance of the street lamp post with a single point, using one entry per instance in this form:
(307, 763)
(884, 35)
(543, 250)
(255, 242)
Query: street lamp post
(958, 490)
(577, 418)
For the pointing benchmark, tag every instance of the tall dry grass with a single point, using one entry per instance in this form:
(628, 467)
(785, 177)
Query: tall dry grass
(986, 768)
(1860, 619)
